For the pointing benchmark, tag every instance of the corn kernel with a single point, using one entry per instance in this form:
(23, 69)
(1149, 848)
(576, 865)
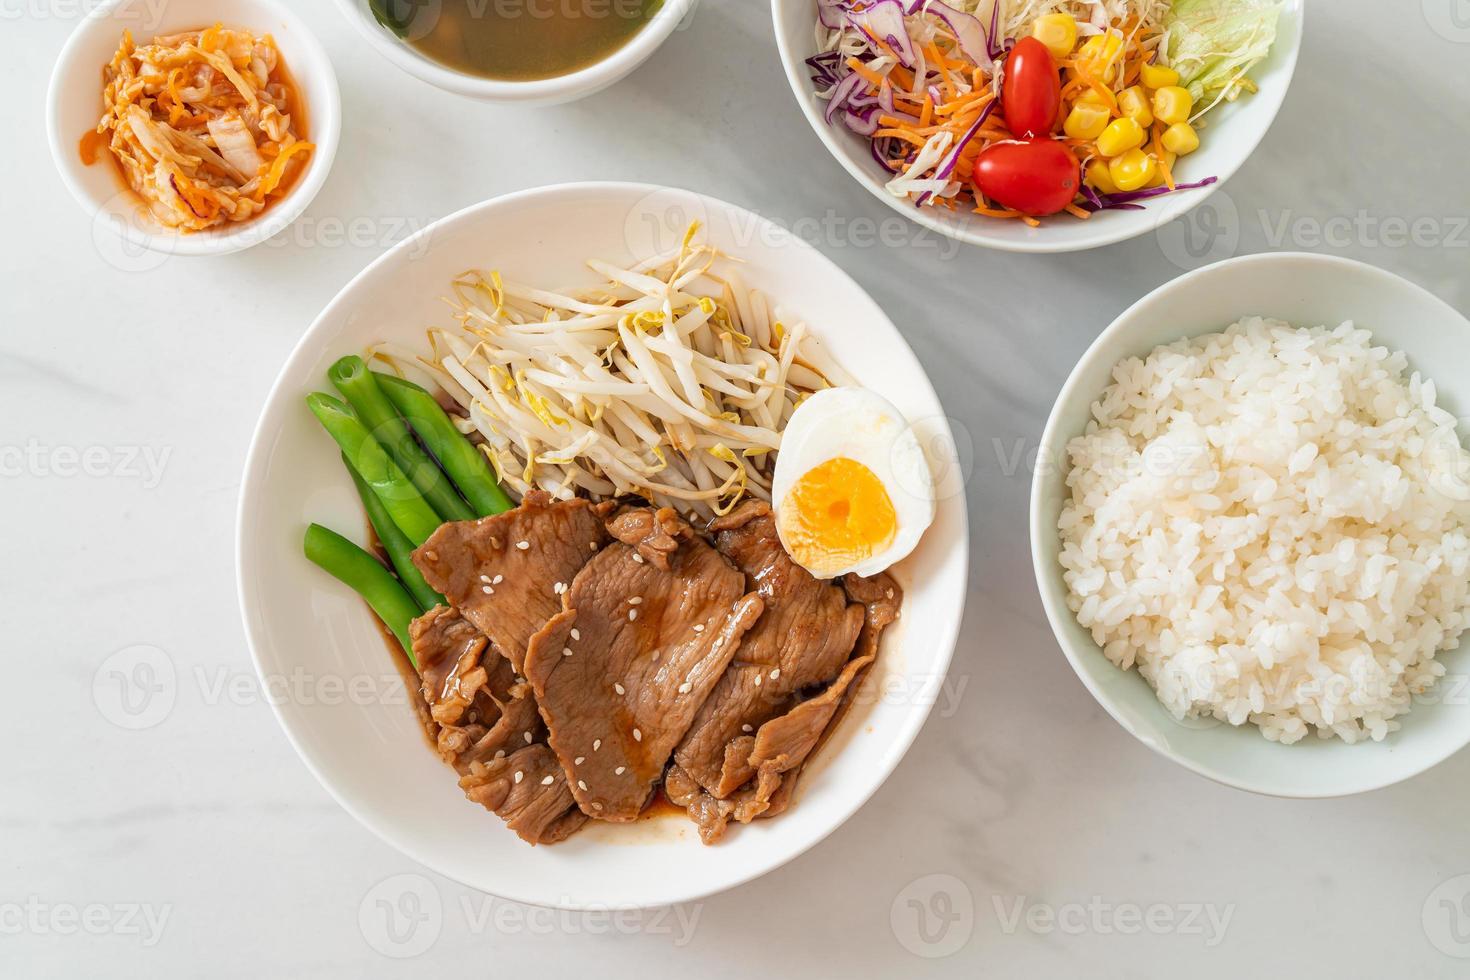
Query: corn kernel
(1086, 121)
(1132, 170)
(1121, 136)
(1058, 32)
(1133, 103)
(1157, 76)
(1180, 138)
(1172, 104)
(1091, 96)
(1101, 53)
(1100, 178)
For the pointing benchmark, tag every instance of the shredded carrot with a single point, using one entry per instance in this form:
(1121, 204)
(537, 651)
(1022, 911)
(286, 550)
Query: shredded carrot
(902, 134)
(873, 78)
(278, 167)
(1077, 212)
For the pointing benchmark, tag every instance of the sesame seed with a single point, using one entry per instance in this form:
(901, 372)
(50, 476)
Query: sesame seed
(684, 687)
(485, 578)
(597, 806)
(487, 590)
(576, 634)
(637, 557)
(757, 680)
(528, 738)
(591, 545)
(559, 588)
(579, 760)
(656, 654)
(632, 615)
(566, 651)
(582, 785)
(523, 545)
(619, 688)
(634, 600)
(548, 780)
(596, 744)
(637, 735)
(500, 753)
(746, 728)
(890, 593)
(776, 673)
(497, 580)
(620, 770)
(519, 776)
(699, 627)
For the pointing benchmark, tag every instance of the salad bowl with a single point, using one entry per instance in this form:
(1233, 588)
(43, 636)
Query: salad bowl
(1232, 133)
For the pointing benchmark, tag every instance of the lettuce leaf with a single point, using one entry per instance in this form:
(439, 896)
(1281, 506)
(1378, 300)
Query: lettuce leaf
(1214, 43)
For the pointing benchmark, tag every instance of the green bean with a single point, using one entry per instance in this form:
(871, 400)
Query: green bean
(461, 459)
(396, 543)
(399, 496)
(366, 576)
(360, 387)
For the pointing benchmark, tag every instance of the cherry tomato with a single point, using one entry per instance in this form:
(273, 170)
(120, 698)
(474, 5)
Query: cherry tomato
(1031, 92)
(1036, 177)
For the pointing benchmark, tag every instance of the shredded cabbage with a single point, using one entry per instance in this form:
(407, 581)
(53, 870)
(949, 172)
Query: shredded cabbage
(1214, 43)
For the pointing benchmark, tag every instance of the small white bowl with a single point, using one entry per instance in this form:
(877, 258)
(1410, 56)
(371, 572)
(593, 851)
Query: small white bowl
(1233, 132)
(370, 751)
(74, 104)
(1304, 290)
(545, 91)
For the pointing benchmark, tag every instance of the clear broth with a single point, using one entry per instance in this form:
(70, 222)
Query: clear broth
(517, 40)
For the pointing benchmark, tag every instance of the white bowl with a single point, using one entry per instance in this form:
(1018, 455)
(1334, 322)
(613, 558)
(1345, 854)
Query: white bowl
(1233, 133)
(74, 104)
(545, 91)
(373, 756)
(1305, 290)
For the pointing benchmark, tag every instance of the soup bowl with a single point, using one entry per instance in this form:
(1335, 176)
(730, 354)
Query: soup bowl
(543, 91)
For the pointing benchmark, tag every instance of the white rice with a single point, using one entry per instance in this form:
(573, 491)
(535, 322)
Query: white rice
(1273, 525)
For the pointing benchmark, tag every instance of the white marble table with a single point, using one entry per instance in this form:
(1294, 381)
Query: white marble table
(200, 842)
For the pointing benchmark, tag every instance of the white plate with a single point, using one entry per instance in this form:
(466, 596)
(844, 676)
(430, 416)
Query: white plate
(1233, 132)
(74, 105)
(1305, 290)
(373, 756)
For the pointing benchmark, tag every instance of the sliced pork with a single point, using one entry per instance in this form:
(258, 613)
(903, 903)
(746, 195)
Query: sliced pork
(743, 756)
(486, 722)
(506, 573)
(804, 638)
(647, 630)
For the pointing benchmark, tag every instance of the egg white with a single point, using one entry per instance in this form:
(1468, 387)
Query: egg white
(860, 425)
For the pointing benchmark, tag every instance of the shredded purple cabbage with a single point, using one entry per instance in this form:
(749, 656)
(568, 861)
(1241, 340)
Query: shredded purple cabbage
(1124, 200)
(952, 160)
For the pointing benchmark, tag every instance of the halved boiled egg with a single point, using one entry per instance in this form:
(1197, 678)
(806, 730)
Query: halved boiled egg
(852, 490)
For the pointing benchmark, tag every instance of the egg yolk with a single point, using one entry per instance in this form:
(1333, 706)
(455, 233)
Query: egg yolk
(837, 515)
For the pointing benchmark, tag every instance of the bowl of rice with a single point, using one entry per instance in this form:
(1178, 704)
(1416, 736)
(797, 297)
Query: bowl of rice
(1251, 531)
